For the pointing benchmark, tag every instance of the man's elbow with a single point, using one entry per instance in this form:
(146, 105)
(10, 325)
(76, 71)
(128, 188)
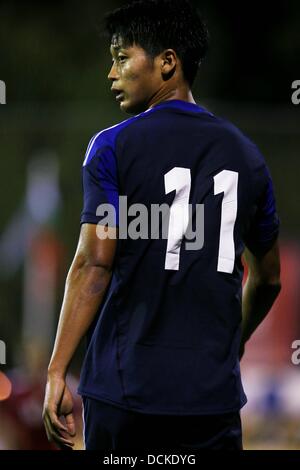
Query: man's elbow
(264, 271)
(83, 262)
(277, 285)
(269, 285)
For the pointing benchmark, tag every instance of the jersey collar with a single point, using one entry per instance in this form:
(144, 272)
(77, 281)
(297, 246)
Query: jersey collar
(180, 104)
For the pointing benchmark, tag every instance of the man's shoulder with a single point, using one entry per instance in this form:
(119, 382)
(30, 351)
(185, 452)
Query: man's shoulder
(107, 137)
(231, 138)
(227, 130)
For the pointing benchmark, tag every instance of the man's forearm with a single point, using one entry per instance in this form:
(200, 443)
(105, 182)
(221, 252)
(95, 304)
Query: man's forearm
(257, 301)
(85, 287)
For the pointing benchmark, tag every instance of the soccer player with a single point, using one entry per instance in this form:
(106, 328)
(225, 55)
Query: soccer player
(166, 323)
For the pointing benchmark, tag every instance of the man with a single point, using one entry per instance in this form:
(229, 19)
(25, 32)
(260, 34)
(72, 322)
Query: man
(163, 320)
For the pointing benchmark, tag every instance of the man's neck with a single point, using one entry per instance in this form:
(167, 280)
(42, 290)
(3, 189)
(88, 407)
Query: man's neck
(182, 94)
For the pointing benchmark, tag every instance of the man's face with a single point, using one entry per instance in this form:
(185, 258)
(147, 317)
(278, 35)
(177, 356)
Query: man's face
(135, 77)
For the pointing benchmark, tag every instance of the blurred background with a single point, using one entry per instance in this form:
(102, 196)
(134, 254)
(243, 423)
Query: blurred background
(55, 64)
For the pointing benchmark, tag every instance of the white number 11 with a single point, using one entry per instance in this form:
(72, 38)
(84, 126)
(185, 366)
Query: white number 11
(226, 182)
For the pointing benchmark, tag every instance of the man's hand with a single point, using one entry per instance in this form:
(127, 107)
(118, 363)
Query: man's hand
(86, 285)
(59, 402)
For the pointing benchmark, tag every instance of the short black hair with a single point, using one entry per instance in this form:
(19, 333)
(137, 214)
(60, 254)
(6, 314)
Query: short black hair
(156, 25)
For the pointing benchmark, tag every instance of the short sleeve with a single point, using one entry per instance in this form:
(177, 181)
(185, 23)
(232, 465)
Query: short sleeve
(264, 228)
(100, 186)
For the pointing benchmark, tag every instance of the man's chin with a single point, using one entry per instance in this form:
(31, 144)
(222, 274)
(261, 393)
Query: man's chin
(124, 107)
(132, 109)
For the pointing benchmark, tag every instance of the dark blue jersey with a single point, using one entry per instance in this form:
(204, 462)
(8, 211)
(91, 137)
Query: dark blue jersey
(167, 336)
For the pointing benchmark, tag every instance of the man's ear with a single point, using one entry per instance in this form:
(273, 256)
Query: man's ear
(169, 62)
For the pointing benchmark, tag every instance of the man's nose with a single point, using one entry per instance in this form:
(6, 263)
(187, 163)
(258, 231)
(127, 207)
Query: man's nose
(113, 75)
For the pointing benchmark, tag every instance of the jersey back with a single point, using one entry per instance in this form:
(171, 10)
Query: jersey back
(167, 337)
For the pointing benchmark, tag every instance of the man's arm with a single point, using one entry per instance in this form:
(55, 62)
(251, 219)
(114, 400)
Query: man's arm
(86, 284)
(260, 291)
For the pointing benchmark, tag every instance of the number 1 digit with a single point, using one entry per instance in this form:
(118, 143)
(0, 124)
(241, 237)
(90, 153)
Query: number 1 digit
(178, 179)
(227, 182)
